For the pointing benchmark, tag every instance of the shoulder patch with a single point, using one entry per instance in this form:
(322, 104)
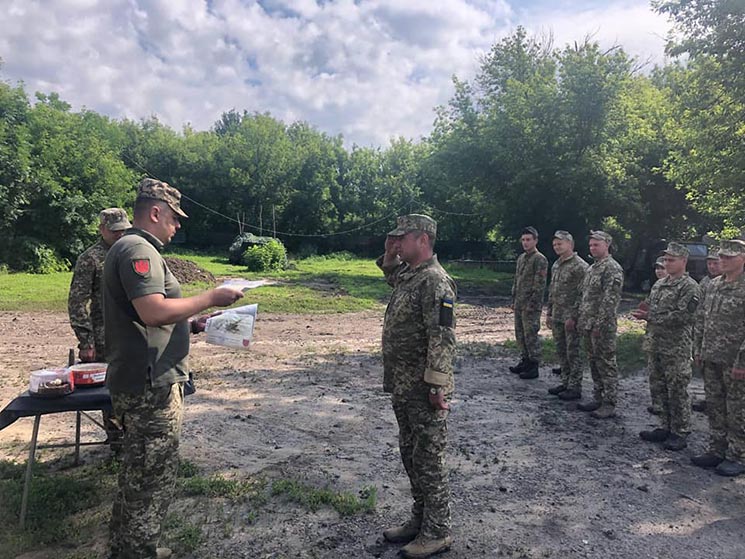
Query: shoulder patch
(446, 312)
(141, 266)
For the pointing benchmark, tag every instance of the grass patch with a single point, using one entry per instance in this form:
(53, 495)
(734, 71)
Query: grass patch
(337, 283)
(183, 536)
(217, 486)
(344, 503)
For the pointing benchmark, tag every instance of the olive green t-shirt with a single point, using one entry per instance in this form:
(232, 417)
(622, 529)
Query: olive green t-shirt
(140, 355)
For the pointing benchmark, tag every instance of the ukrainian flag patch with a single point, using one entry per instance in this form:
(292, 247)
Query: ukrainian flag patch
(446, 312)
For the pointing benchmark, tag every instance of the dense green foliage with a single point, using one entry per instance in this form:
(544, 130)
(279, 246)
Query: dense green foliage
(270, 256)
(573, 137)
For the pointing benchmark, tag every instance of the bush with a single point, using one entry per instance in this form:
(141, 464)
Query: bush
(36, 257)
(266, 257)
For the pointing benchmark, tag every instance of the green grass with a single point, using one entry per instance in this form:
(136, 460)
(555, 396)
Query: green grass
(344, 503)
(320, 284)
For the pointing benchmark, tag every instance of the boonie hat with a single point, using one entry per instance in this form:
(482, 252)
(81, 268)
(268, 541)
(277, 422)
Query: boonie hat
(114, 219)
(159, 190)
(733, 247)
(414, 222)
(601, 236)
(563, 235)
(677, 250)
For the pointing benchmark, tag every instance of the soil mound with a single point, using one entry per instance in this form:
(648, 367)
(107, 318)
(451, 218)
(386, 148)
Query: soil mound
(187, 272)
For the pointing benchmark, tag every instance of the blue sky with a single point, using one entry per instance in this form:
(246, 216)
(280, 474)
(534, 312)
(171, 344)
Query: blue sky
(370, 70)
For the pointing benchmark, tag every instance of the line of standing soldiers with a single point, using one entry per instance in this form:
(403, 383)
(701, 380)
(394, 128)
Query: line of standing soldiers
(686, 323)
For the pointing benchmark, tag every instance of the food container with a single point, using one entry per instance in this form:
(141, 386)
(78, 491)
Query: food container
(89, 374)
(51, 383)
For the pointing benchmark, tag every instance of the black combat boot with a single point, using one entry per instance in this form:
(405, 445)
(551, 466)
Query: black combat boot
(707, 460)
(520, 367)
(675, 443)
(570, 394)
(557, 389)
(729, 468)
(531, 370)
(655, 435)
(556, 370)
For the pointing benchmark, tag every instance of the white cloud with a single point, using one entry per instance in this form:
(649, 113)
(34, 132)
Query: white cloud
(370, 70)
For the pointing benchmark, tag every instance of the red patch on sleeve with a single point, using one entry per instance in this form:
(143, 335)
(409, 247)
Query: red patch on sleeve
(142, 266)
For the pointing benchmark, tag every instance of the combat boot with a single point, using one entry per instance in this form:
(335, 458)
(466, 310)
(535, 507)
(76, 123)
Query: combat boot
(675, 443)
(556, 390)
(592, 405)
(404, 533)
(520, 367)
(707, 460)
(606, 411)
(728, 468)
(570, 394)
(699, 405)
(655, 435)
(556, 370)
(531, 370)
(423, 546)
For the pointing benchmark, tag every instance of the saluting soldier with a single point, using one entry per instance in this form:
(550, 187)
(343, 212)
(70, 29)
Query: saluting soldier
(564, 296)
(670, 313)
(418, 355)
(527, 303)
(598, 324)
(719, 345)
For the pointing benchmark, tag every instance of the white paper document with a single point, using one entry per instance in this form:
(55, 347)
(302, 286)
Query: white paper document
(232, 328)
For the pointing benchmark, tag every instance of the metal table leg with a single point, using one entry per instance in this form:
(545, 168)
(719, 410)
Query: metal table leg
(29, 466)
(77, 439)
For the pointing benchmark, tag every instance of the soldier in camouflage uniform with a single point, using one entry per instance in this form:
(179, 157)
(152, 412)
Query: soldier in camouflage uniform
(719, 344)
(601, 293)
(656, 383)
(85, 301)
(527, 303)
(713, 271)
(670, 313)
(147, 344)
(567, 275)
(418, 355)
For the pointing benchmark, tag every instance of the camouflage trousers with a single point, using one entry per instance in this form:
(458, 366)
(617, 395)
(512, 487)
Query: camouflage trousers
(527, 325)
(601, 353)
(570, 356)
(422, 440)
(669, 377)
(725, 406)
(656, 384)
(149, 462)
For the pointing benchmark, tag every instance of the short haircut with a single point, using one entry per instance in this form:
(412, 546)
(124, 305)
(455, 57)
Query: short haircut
(143, 205)
(430, 239)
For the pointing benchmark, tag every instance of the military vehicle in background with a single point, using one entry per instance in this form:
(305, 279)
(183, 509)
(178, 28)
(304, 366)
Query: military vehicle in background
(640, 272)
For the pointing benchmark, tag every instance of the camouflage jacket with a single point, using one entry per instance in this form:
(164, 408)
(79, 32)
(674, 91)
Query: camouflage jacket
(720, 321)
(704, 283)
(601, 293)
(419, 329)
(672, 312)
(530, 280)
(564, 293)
(85, 301)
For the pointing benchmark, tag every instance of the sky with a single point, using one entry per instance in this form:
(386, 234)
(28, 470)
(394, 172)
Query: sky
(370, 70)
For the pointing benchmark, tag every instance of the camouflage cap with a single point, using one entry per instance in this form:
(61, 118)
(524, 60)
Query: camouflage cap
(713, 253)
(733, 247)
(529, 230)
(159, 190)
(660, 262)
(414, 222)
(601, 236)
(114, 219)
(676, 249)
(563, 235)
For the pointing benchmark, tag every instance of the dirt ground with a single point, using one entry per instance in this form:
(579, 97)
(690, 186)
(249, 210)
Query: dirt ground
(531, 477)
